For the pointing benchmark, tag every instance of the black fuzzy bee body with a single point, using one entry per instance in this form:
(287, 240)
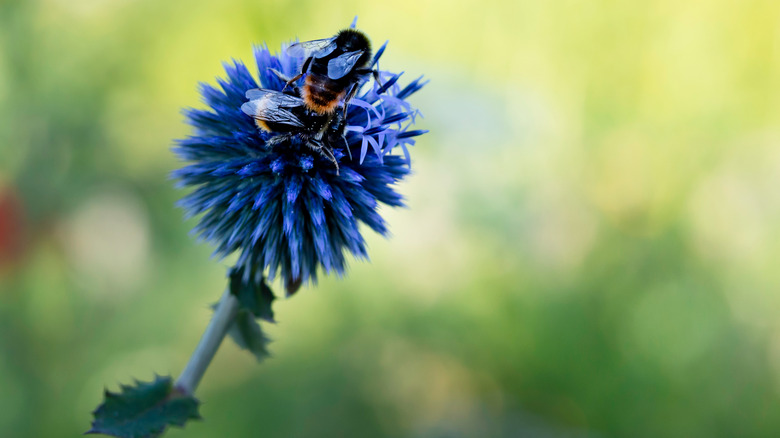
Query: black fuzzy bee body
(334, 69)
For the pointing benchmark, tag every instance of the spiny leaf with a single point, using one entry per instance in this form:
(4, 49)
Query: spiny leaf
(253, 293)
(143, 410)
(246, 332)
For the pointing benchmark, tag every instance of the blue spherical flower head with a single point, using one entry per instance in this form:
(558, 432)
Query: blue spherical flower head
(280, 204)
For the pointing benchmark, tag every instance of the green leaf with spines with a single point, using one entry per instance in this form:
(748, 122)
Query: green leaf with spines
(252, 293)
(246, 332)
(144, 410)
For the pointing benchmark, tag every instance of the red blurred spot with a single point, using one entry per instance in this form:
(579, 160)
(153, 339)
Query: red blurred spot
(11, 227)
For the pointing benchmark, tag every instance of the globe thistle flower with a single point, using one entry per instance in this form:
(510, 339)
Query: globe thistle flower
(285, 209)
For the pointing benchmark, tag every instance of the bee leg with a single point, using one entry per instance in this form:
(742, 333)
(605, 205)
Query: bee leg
(285, 79)
(304, 67)
(329, 155)
(374, 73)
(346, 146)
(277, 140)
(289, 82)
(350, 95)
(325, 151)
(340, 128)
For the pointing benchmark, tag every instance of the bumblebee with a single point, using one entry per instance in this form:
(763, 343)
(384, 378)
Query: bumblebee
(289, 117)
(334, 68)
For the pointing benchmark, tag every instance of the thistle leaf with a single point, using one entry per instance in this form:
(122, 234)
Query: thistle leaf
(253, 294)
(246, 332)
(143, 410)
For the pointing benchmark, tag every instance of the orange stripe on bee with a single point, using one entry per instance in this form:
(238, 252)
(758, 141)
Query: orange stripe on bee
(262, 125)
(322, 101)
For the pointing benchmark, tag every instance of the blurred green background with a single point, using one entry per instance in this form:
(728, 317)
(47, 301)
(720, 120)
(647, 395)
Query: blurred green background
(592, 246)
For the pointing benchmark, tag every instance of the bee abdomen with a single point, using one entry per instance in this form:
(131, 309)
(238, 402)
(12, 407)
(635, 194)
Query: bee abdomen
(321, 96)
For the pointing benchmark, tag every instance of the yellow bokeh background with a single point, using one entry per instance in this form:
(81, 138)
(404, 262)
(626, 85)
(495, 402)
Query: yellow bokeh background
(591, 249)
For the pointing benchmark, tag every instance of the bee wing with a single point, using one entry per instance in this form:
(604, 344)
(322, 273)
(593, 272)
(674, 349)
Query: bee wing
(274, 97)
(271, 106)
(315, 48)
(341, 65)
(256, 93)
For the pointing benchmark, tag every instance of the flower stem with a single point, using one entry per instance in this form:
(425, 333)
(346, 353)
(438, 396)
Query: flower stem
(223, 317)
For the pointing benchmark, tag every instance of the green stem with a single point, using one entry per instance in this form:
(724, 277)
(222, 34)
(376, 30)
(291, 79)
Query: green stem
(223, 317)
